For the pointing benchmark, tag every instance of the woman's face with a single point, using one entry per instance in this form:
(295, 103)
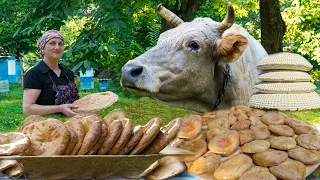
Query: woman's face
(53, 49)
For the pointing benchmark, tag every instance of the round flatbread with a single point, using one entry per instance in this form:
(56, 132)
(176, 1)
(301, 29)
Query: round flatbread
(309, 141)
(272, 117)
(114, 115)
(261, 131)
(289, 169)
(5, 164)
(150, 131)
(16, 170)
(246, 136)
(13, 143)
(257, 173)
(164, 137)
(91, 138)
(95, 102)
(48, 138)
(97, 146)
(241, 125)
(255, 146)
(282, 142)
(168, 166)
(197, 146)
(270, 157)
(31, 119)
(190, 127)
(207, 163)
(123, 138)
(72, 141)
(211, 133)
(282, 130)
(79, 134)
(225, 144)
(114, 131)
(133, 140)
(234, 167)
(303, 155)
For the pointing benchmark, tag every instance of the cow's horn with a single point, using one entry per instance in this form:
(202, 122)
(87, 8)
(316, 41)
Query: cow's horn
(169, 16)
(228, 20)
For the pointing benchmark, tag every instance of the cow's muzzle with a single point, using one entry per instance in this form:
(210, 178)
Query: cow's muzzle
(130, 75)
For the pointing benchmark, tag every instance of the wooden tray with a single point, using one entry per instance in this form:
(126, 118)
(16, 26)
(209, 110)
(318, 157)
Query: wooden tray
(90, 166)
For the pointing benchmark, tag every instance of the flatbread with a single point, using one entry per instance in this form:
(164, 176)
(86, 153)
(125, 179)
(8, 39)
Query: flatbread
(136, 136)
(30, 119)
(16, 170)
(123, 138)
(164, 137)
(114, 131)
(5, 164)
(48, 138)
(150, 131)
(79, 131)
(91, 138)
(13, 143)
(95, 102)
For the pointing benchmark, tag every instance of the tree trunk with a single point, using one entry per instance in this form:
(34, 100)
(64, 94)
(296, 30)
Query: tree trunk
(186, 12)
(272, 26)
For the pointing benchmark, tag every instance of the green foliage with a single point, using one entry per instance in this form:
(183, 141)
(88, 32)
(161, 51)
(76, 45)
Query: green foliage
(303, 21)
(247, 13)
(302, 36)
(12, 11)
(107, 33)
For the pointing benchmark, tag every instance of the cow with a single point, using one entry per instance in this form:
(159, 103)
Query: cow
(200, 65)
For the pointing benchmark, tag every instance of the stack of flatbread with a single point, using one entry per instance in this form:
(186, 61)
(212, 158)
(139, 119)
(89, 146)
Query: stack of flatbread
(89, 134)
(86, 133)
(244, 143)
(12, 144)
(285, 84)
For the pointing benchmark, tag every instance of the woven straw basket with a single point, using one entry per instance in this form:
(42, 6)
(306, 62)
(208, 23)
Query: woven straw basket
(286, 102)
(285, 76)
(285, 60)
(285, 88)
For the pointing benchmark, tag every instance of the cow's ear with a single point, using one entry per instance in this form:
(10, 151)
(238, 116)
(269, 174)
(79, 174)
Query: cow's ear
(231, 47)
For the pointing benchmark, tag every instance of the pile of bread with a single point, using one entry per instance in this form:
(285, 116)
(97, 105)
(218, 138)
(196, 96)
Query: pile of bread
(244, 143)
(86, 134)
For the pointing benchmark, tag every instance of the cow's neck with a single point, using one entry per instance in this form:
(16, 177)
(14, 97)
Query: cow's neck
(226, 78)
(243, 76)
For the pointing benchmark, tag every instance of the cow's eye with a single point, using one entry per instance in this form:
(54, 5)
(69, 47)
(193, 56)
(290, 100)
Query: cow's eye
(194, 45)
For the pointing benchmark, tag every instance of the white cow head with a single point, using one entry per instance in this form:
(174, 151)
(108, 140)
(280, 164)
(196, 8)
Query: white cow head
(186, 67)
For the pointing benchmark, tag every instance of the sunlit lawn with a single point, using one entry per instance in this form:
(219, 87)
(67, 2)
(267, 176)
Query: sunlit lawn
(140, 110)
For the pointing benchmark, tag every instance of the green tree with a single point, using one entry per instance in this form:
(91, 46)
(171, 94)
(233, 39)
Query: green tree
(12, 11)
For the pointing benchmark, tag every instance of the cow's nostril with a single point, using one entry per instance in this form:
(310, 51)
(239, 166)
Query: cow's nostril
(135, 71)
(130, 75)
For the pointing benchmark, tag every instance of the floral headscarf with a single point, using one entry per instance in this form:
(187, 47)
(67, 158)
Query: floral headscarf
(46, 37)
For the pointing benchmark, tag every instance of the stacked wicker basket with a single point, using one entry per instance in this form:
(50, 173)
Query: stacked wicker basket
(285, 84)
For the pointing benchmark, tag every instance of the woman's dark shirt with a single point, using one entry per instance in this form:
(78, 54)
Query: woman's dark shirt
(38, 78)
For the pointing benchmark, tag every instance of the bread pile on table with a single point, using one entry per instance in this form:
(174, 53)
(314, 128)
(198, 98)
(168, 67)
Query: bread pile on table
(87, 134)
(244, 143)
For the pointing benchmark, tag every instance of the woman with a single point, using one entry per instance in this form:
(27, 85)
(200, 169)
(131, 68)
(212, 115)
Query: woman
(48, 87)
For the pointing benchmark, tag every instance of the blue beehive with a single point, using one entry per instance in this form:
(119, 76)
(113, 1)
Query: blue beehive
(10, 69)
(86, 80)
(103, 83)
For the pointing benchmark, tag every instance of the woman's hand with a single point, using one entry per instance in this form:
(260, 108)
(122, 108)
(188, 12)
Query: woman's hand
(66, 109)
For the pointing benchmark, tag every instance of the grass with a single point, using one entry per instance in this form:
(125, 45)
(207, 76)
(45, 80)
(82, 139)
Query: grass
(139, 109)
